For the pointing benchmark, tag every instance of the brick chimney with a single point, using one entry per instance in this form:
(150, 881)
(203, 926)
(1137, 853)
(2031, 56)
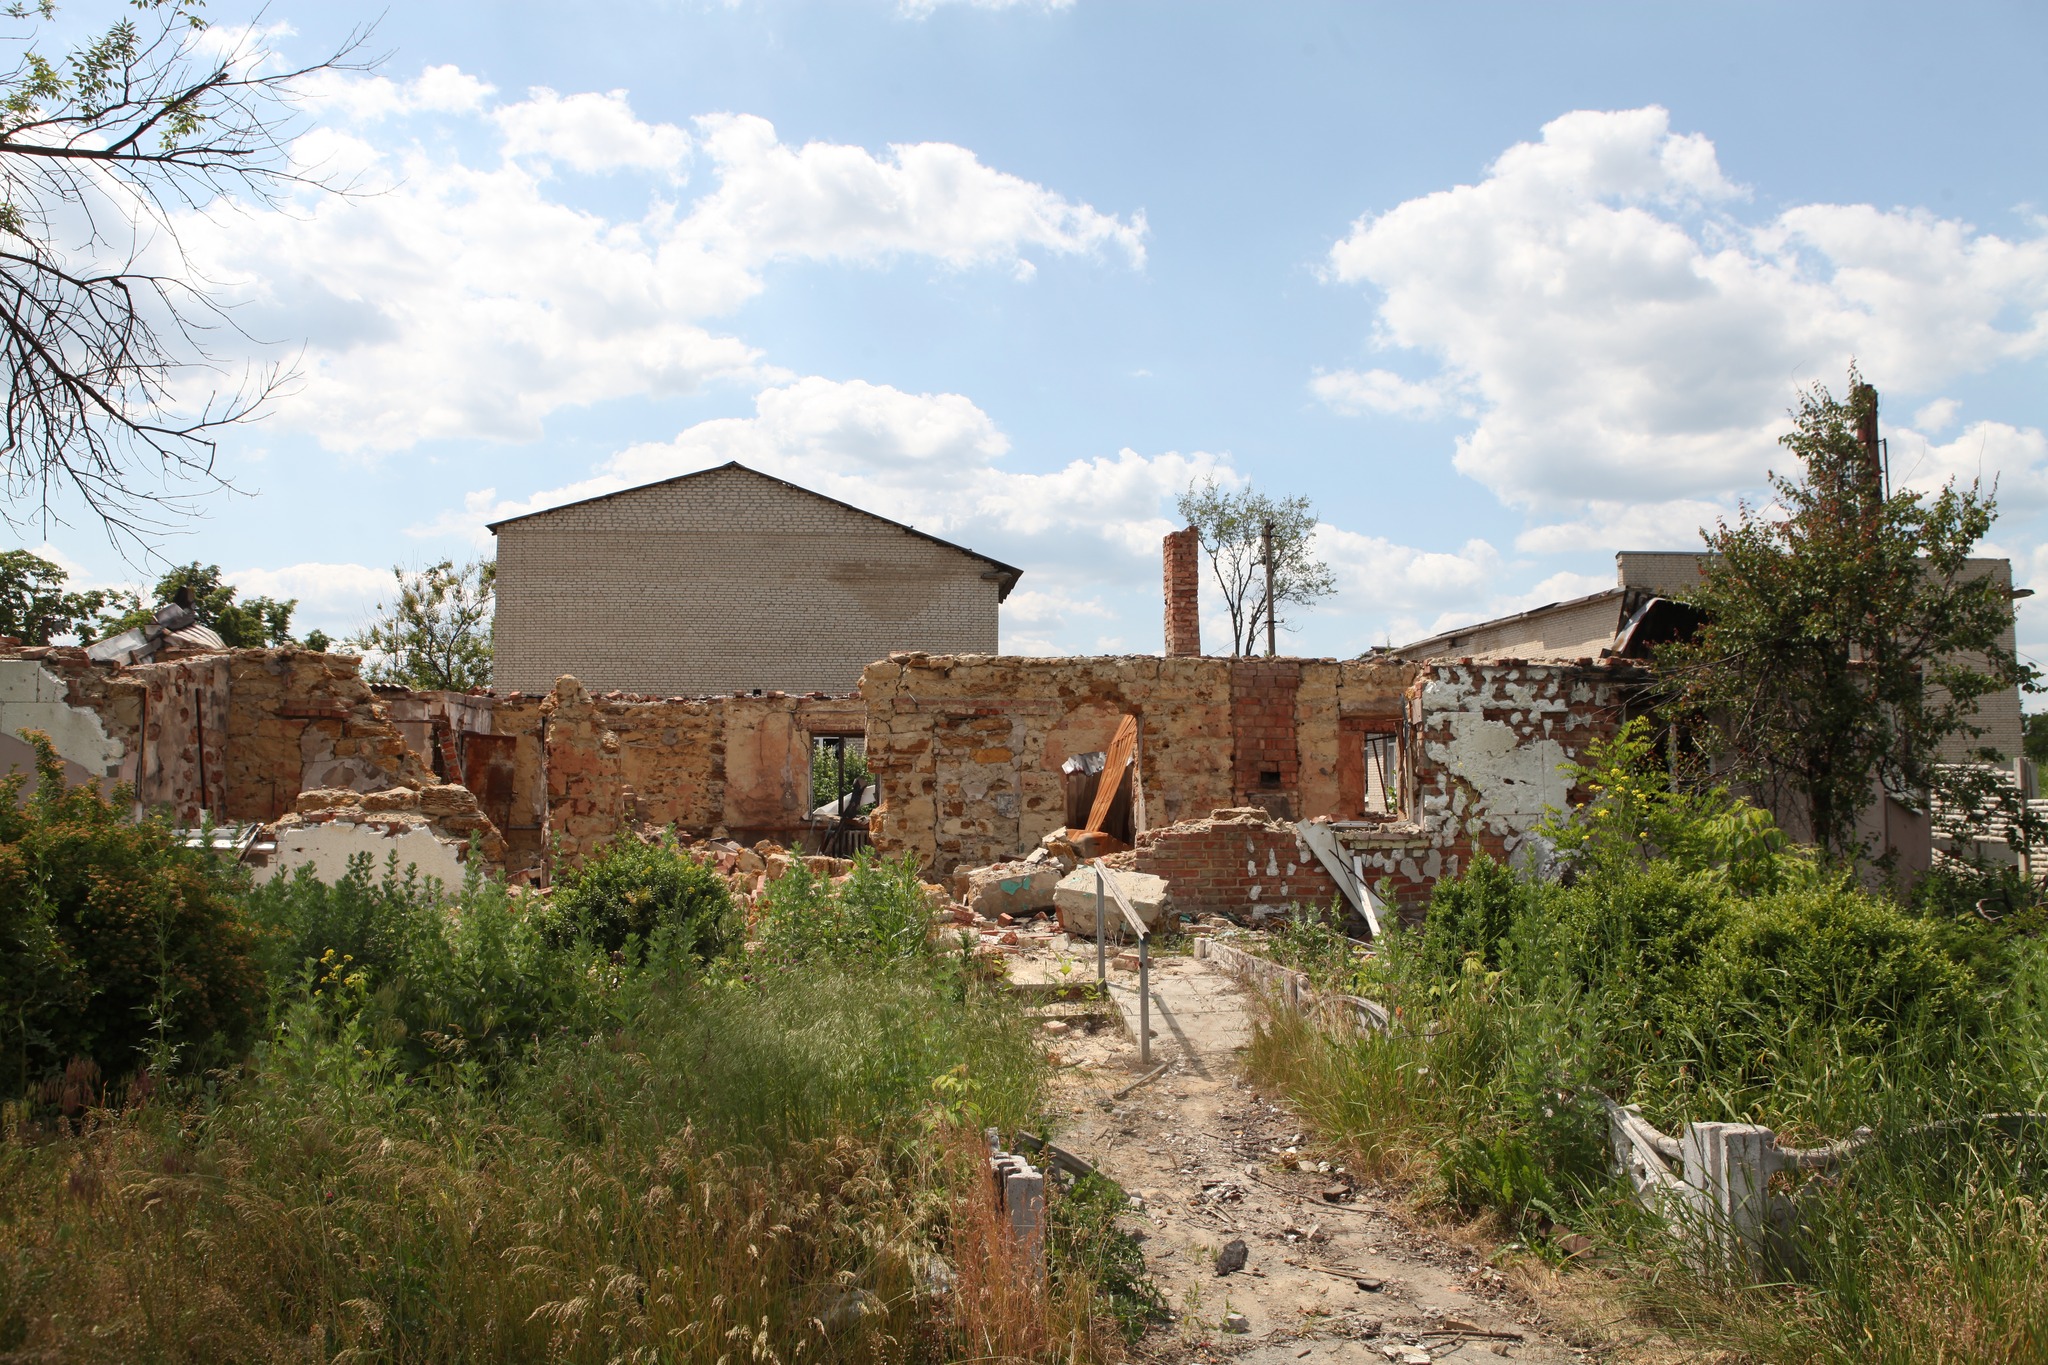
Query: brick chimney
(1863, 406)
(1183, 557)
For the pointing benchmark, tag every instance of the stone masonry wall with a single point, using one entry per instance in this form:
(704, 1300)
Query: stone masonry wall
(737, 767)
(248, 735)
(968, 747)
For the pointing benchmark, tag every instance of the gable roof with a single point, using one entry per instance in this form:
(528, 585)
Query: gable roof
(1004, 575)
(1446, 639)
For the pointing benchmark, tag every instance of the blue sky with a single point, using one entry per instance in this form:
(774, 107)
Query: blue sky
(1503, 288)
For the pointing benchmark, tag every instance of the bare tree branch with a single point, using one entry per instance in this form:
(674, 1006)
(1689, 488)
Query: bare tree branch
(99, 151)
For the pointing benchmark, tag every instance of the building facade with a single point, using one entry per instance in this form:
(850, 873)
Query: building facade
(729, 580)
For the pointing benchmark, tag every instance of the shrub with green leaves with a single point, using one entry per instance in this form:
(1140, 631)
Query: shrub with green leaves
(878, 913)
(118, 944)
(436, 977)
(632, 888)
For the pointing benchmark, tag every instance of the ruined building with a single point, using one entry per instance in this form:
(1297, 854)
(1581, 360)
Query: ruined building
(728, 581)
(1401, 771)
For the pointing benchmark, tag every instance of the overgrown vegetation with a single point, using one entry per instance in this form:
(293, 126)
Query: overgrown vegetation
(833, 776)
(435, 632)
(464, 1124)
(1684, 957)
(1844, 635)
(118, 945)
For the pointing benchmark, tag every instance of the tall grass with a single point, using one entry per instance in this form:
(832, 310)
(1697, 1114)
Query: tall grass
(1698, 967)
(464, 1140)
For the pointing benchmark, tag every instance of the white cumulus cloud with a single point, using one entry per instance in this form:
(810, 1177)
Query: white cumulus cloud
(335, 597)
(1355, 391)
(466, 297)
(590, 132)
(1625, 337)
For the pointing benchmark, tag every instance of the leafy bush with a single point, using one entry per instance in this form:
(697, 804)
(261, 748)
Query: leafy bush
(631, 888)
(1470, 916)
(434, 977)
(879, 912)
(1635, 815)
(1829, 961)
(118, 944)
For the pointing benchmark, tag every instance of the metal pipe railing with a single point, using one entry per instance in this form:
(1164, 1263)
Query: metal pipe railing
(1105, 879)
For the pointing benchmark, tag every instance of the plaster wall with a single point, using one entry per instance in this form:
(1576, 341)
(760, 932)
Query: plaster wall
(329, 847)
(34, 698)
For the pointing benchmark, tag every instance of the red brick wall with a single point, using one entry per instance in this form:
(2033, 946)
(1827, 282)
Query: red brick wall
(1183, 556)
(1267, 769)
(1236, 862)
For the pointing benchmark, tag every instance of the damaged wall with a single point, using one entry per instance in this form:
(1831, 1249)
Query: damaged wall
(1483, 749)
(297, 740)
(241, 735)
(1238, 862)
(968, 751)
(968, 747)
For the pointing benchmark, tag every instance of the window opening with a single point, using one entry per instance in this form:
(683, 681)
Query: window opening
(842, 793)
(1382, 774)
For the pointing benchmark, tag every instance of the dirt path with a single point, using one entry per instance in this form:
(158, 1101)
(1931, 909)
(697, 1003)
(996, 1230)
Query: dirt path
(1214, 1162)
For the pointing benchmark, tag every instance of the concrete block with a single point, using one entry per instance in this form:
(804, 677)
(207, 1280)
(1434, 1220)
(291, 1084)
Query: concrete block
(1015, 889)
(1075, 898)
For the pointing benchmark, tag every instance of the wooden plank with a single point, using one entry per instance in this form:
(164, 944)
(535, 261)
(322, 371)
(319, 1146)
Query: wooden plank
(1321, 840)
(1116, 771)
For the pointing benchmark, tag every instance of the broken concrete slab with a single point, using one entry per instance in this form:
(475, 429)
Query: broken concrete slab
(1075, 899)
(1015, 889)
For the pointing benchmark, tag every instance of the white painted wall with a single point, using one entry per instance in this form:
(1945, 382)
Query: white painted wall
(328, 847)
(32, 698)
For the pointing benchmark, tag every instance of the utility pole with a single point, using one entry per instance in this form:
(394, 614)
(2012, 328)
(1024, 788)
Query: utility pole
(1266, 538)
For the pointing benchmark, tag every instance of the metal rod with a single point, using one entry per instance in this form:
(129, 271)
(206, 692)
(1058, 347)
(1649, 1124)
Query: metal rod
(1266, 536)
(1144, 1000)
(1101, 965)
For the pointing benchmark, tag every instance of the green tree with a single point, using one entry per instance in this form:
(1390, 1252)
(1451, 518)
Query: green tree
(35, 609)
(1231, 526)
(436, 632)
(1845, 636)
(104, 147)
(252, 623)
(2035, 741)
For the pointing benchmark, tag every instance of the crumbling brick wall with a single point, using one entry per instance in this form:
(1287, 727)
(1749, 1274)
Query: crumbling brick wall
(240, 735)
(1486, 747)
(300, 720)
(1266, 734)
(737, 767)
(615, 761)
(1182, 561)
(1235, 862)
(245, 734)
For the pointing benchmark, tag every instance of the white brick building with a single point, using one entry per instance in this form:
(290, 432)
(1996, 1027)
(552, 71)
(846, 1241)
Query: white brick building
(729, 580)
